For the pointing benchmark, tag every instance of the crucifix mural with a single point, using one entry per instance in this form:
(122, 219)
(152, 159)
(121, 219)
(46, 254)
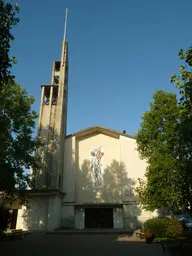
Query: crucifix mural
(97, 166)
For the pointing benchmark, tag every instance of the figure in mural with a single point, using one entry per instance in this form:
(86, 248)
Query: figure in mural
(97, 166)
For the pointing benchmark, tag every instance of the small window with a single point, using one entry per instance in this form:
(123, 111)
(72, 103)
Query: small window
(57, 66)
(56, 80)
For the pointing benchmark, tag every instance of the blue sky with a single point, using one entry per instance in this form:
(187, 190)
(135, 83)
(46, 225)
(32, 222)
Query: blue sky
(120, 52)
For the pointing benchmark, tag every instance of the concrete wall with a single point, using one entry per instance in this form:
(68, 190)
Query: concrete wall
(69, 170)
(35, 216)
(43, 213)
(79, 218)
(118, 218)
(45, 116)
(67, 217)
(43, 134)
(54, 213)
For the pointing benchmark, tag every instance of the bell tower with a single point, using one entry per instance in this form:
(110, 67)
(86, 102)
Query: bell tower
(52, 124)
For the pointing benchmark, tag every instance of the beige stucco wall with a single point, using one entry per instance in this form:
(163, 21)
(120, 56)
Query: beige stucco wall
(111, 191)
(122, 168)
(135, 167)
(133, 215)
(121, 163)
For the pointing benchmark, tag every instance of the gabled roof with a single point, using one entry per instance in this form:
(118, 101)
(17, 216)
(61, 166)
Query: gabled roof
(98, 129)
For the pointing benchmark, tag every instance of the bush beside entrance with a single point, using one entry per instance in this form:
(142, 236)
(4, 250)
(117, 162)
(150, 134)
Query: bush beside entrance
(164, 227)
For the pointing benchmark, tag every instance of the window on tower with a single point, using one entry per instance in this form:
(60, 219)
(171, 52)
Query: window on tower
(56, 80)
(57, 66)
(46, 97)
(55, 95)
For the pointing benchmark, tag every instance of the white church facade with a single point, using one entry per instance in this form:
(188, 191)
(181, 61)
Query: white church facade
(87, 178)
(99, 180)
(101, 169)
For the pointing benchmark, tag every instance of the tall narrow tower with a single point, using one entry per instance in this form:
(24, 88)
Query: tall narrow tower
(52, 124)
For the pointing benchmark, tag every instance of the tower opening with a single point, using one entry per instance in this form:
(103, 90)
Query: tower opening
(55, 95)
(56, 80)
(57, 66)
(46, 97)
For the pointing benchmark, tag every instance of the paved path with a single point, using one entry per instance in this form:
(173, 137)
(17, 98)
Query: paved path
(94, 245)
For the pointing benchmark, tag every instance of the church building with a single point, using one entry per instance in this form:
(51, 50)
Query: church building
(87, 178)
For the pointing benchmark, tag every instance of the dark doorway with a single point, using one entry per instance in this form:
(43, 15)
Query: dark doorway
(98, 217)
(8, 218)
(14, 219)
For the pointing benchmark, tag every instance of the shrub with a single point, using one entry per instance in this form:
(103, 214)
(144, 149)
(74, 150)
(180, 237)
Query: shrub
(174, 228)
(157, 226)
(163, 227)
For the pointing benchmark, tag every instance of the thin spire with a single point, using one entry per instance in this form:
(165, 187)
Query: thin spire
(64, 36)
(65, 26)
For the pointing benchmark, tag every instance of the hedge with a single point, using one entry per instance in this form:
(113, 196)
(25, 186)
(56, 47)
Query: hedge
(164, 227)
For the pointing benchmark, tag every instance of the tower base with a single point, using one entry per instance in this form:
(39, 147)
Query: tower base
(43, 212)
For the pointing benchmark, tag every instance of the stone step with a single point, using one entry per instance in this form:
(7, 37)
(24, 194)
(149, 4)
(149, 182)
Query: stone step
(90, 231)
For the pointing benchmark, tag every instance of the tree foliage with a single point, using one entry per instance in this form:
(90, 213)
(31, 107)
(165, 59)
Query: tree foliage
(8, 18)
(165, 141)
(183, 82)
(17, 120)
(156, 144)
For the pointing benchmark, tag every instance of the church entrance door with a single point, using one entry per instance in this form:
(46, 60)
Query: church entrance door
(98, 217)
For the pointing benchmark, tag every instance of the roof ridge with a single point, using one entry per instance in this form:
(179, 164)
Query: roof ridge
(99, 127)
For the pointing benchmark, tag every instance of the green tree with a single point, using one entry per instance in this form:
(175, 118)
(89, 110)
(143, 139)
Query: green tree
(165, 141)
(17, 120)
(157, 143)
(183, 82)
(8, 18)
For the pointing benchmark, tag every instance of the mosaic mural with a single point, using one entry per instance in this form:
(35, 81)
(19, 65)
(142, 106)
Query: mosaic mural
(97, 166)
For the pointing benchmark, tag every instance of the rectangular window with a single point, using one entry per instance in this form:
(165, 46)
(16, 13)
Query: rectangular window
(56, 80)
(57, 66)
(46, 97)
